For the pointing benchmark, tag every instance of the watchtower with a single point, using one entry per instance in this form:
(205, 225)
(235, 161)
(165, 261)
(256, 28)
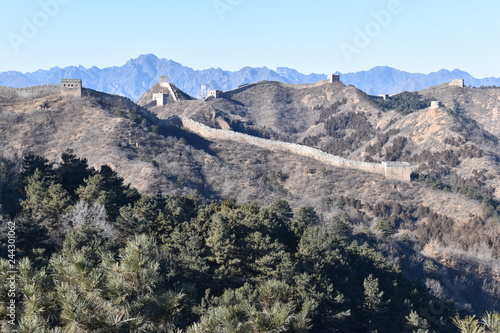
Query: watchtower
(214, 93)
(435, 104)
(397, 171)
(385, 97)
(160, 98)
(457, 83)
(333, 78)
(163, 81)
(71, 87)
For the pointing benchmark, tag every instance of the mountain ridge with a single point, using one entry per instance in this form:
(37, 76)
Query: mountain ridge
(137, 75)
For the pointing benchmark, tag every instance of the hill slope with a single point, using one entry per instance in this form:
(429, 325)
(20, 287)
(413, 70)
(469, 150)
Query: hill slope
(157, 156)
(456, 140)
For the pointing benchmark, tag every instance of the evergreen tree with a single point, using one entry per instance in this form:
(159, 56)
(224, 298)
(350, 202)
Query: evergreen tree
(306, 216)
(33, 162)
(72, 172)
(416, 323)
(283, 210)
(107, 188)
(45, 200)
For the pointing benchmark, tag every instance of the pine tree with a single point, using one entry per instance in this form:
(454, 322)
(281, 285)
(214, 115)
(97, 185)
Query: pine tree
(373, 296)
(416, 323)
(469, 324)
(45, 200)
(491, 321)
(72, 172)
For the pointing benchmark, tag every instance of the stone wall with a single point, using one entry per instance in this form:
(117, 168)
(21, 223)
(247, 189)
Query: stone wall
(395, 171)
(31, 92)
(172, 92)
(68, 87)
(243, 87)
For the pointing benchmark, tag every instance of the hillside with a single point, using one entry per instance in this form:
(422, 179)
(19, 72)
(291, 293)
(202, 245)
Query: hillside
(460, 239)
(137, 75)
(449, 151)
(344, 121)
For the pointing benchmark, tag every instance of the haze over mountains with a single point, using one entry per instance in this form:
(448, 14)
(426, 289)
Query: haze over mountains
(139, 74)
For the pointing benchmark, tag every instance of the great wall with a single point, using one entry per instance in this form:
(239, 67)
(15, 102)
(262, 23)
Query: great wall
(31, 92)
(400, 171)
(391, 170)
(67, 87)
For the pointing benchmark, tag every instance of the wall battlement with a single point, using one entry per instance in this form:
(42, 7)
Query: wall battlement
(31, 92)
(68, 87)
(391, 170)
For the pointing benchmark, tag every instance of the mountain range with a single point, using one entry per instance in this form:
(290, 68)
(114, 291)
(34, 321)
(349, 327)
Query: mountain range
(135, 77)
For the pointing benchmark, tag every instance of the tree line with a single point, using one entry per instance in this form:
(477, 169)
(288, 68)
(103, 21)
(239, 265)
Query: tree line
(95, 255)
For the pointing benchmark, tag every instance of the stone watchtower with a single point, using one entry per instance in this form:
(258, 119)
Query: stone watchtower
(71, 87)
(397, 171)
(333, 78)
(214, 93)
(160, 98)
(435, 104)
(163, 81)
(457, 83)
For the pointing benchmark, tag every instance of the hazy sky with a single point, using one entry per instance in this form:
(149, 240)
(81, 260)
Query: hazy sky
(320, 36)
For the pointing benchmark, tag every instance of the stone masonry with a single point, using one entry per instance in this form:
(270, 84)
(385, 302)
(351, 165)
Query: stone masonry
(71, 87)
(457, 83)
(214, 93)
(163, 81)
(333, 78)
(391, 170)
(67, 87)
(160, 98)
(435, 104)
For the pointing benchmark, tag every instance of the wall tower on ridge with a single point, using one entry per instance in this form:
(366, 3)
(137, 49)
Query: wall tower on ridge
(457, 83)
(214, 93)
(333, 78)
(435, 104)
(71, 87)
(164, 81)
(160, 98)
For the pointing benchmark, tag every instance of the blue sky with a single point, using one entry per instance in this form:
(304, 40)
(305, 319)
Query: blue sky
(312, 36)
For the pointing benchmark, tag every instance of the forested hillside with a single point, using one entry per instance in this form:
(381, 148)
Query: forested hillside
(130, 222)
(94, 255)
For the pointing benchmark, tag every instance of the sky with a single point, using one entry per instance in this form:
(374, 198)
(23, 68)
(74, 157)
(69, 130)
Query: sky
(311, 36)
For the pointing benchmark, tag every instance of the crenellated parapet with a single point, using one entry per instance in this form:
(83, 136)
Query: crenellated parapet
(31, 92)
(68, 87)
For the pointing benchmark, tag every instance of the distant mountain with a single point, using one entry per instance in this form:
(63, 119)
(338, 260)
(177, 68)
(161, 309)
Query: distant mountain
(139, 74)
